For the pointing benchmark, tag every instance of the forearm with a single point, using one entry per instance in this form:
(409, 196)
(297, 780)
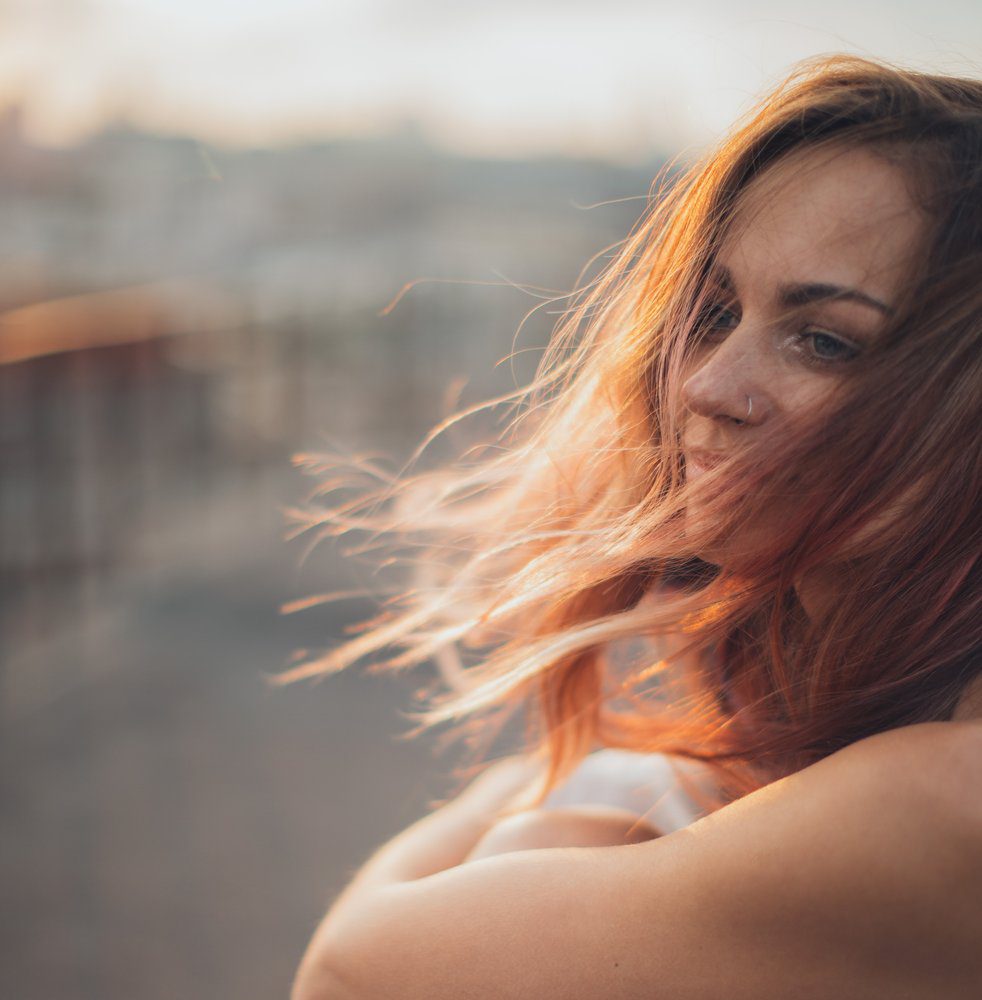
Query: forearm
(434, 843)
(445, 837)
(438, 841)
(441, 840)
(596, 826)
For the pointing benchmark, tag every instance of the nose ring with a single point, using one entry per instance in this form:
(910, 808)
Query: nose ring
(750, 407)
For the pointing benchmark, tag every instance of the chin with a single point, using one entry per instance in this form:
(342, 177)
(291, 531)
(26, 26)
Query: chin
(715, 555)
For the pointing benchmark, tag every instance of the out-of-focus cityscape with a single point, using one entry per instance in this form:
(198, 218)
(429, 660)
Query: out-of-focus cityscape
(176, 321)
(206, 209)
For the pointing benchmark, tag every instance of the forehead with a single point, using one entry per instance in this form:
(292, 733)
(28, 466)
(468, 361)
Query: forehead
(845, 217)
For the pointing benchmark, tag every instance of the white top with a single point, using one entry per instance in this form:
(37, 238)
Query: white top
(646, 784)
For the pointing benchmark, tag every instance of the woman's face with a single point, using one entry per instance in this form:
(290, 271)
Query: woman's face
(807, 276)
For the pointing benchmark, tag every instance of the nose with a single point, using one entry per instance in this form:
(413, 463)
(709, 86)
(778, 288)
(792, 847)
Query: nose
(729, 386)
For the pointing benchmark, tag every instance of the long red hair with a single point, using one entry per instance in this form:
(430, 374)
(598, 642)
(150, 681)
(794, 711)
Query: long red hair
(540, 557)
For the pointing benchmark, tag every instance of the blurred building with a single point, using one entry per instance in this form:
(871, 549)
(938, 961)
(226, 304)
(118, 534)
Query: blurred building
(169, 310)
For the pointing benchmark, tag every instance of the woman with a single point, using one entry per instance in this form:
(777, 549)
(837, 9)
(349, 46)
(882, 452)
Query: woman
(736, 528)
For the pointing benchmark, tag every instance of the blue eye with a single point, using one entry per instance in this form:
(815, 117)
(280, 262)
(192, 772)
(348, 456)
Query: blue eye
(816, 346)
(710, 317)
(826, 347)
(723, 311)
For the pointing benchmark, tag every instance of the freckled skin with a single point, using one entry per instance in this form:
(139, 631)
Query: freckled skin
(844, 218)
(847, 219)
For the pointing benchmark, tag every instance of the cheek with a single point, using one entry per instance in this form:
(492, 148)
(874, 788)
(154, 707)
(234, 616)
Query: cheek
(804, 399)
(894, 516)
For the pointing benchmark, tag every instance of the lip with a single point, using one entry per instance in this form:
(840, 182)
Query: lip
(698, 460)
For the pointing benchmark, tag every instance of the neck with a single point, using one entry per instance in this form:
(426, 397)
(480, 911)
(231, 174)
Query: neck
(817, 590)
(969, 707)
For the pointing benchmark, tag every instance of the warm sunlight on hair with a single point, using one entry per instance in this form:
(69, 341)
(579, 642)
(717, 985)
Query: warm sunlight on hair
(639, 489)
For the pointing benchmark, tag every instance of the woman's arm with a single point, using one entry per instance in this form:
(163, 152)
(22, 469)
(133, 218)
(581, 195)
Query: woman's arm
(469, 828)
(858, 877)
(438, 841)
(444, 838)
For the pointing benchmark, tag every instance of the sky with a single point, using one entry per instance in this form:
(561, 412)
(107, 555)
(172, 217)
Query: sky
(617, 79)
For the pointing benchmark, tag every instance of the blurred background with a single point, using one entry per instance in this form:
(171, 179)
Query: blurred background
(205, 209)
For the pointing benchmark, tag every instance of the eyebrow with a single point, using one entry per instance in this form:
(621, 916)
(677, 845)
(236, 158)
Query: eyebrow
(813, 291)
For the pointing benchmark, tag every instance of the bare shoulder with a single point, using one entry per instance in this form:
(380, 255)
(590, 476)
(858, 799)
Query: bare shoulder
(869, 861)
(936, 763)
(857, 877)
(903, 801)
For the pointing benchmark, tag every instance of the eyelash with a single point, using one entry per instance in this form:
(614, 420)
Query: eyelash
(849, 350)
